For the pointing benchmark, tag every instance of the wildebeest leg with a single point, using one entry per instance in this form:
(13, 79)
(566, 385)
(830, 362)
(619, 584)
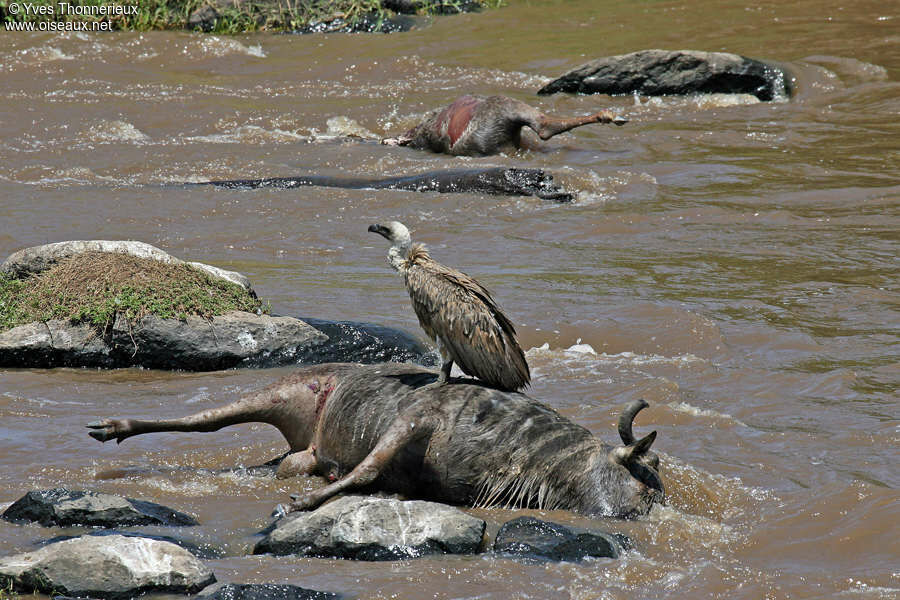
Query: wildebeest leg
(416, 421)
(298, 463)
(546, 126)
(283, 409)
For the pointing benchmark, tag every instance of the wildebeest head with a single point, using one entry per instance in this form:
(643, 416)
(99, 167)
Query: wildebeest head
(627, 481)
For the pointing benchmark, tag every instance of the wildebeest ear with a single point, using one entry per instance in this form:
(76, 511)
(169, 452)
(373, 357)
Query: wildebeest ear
(643, 444)
(626, 454)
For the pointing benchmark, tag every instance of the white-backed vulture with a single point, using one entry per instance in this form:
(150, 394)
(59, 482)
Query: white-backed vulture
(459, 314)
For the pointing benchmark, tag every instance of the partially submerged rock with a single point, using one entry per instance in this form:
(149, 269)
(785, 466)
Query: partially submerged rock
(266, 591)
(197, 343)
(192, 344)
(534, 538)
(105, 567)
(61, 507)
(662, 72)
(365, 528)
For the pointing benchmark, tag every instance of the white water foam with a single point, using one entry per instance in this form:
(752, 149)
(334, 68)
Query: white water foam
(684, 407)
(249, 134)
(217, 47)
(107, 132)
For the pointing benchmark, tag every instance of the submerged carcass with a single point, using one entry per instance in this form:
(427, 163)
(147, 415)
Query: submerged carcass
(375, 427)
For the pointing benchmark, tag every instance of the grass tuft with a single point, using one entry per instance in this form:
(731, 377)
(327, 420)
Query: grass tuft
(95, 287)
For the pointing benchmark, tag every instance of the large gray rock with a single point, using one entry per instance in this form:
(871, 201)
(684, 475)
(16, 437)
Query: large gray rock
(194, 344)
(365, 528)
(61, 507)
(661, 72)
(534, 538)
(105, 567)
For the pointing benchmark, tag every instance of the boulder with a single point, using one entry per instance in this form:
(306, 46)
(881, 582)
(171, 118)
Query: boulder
(194, 344)
(199, 547)
(36, 259)
(534, 538)
(60, 507)
(204, 18)
(661, 72)
(266, 591)
(233, 339)
(366, 528)
(105, 567)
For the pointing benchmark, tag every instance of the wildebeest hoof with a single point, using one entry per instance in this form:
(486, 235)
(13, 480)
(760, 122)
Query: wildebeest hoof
(619, 120)
(302, 502)
(279, 511)
(106, 430)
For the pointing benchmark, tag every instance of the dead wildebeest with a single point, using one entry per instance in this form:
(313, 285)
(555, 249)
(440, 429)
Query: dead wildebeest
(474, 125)
(373, 427)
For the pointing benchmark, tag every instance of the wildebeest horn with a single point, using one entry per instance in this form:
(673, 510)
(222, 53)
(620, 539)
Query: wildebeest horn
(627, 419)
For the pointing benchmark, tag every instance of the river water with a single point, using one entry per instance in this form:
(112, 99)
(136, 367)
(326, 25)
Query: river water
(733, 262)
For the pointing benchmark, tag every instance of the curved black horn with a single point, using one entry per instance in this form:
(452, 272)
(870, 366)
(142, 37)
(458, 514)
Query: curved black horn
(627, 419)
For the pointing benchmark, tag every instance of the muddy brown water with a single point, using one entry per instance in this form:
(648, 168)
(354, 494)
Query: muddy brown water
(734, 263)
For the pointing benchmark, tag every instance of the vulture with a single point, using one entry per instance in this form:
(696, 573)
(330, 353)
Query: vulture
(459, 314)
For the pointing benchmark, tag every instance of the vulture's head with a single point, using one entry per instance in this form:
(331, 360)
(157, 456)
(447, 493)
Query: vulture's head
(395, 232)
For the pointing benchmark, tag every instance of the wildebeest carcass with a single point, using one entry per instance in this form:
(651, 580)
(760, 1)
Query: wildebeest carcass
(373, 427)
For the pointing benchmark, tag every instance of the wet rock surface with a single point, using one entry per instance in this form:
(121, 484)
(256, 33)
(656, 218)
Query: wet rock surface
(661, 72)
(105, 567)
(364, 528)
(266, 591)
(61, 507)
(353, 341)
(533, 538)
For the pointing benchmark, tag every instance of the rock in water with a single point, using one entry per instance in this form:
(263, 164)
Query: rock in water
(662, 72)
(61, 507)
(534, 538)
(236, 338)
(111, 566)
(364, 528)
(266, 591)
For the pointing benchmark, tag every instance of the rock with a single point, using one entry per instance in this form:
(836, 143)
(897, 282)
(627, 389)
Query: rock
(199, 547)
(533, 538)
(350, 341)
(105, 567)
(36, 259)
(60, 507)
(266, 591)
(365, 528)
(234, 339)
(193, 344)
(370, 22)
(204, 18)
(660, 72)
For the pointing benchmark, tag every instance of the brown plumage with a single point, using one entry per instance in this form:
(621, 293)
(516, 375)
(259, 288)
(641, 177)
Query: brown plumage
(459, 314)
